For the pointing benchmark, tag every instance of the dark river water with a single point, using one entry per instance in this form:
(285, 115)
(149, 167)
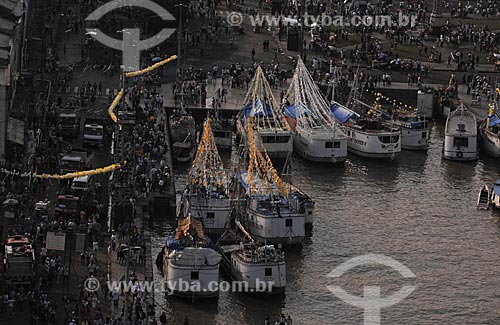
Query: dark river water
(419, 210)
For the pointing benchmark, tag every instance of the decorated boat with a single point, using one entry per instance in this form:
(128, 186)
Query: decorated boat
(269, 121)
(273, 213)
(207, 191)
(316, 135)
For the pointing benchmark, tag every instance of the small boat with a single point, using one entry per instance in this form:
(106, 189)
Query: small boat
(495, 195)
(261, 268)
(489, 133)
(182, 136)
(368, 137)
(460, 139)
(483, 199)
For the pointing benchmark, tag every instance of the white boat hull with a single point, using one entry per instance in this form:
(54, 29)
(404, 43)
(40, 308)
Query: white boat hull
(319, 148)
(369, 145)
(191, 281)
(271, 229)
(214, 212)
(414, 139)
(490, 142)
(254, 275)
(460, 153)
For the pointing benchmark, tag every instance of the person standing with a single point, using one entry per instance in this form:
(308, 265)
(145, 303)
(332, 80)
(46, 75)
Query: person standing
(253, 55)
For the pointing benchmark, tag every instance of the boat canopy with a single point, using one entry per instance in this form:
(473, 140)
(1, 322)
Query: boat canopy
(291, 111)
(494, 120)
(496, 187)
(341, 113)
(260, 109)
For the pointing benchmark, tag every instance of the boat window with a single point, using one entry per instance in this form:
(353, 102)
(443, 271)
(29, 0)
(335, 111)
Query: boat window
(424, 135)
(328, 144)
(195, 275)
(385, 139)
(282, 139)
(289, 223)
(394, 139)
(210, 215)
(336, 144)
(270, 139)
(460, 142)
(268, 271)
(310, 212)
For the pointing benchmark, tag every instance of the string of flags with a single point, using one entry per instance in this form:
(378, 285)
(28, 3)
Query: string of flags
(119, 96)
(96, 171)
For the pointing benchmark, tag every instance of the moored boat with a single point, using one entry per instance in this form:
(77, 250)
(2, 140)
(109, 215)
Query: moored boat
(489, 133)
(207, 185)
(273, 133)
(190, 263)
(460, 139)
(182, 136)
(495, 194)
(367, 137)
(261, 268)
(272, 212)
(483, 199)
(316, 135)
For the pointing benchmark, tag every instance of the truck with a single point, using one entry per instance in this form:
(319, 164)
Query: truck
(68, 123)
(19, 260)
(93, 133)
(75, 161)
(68, 207)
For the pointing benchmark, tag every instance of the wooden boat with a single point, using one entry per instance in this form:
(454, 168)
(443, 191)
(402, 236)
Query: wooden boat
(489, 133)
(483, 199)
(495, 195)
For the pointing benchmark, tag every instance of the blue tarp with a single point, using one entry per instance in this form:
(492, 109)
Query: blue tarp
(259, 109)
(291, 111)
(494, 120)
(341, 113)
(385, 116)
(496, 188)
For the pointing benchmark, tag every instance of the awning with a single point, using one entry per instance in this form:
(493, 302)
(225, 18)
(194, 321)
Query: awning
(341, 113)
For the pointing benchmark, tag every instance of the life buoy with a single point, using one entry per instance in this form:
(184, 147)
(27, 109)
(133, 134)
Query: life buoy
(460, 154)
